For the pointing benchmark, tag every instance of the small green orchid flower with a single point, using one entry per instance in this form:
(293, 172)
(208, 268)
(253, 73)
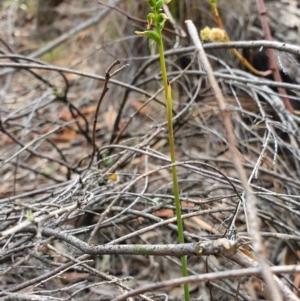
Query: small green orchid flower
(150, 19)
(153, 35)
(161, 19)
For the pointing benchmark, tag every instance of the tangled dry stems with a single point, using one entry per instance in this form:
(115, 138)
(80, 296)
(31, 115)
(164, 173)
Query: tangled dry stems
(52, 203)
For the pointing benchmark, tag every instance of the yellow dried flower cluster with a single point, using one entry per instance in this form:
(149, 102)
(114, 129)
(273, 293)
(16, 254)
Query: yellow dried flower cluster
(213, 34)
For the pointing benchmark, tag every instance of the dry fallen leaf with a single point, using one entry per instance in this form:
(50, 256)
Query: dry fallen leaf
(164, 213)
(204, 225)
(70, 277)
(66, 135)
(248, 253)
(138, 105)
(110, 117)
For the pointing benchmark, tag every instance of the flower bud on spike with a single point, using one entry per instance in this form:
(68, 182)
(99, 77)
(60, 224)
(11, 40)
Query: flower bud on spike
(153, 35)
(159, 5)
(151, 3)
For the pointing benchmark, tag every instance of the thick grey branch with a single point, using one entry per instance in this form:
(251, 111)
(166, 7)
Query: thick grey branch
(220, 246)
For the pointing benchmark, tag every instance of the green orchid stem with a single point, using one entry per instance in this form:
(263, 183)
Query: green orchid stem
(155, 35)
(168, 95)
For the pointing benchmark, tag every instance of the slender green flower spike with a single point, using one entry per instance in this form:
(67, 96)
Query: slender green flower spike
(157, 19)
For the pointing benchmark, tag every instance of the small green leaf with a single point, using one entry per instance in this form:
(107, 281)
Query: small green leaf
(58, 92)
(106, 160)
(49, 171)
(29, 216)
(101, 181)
(156, 200)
